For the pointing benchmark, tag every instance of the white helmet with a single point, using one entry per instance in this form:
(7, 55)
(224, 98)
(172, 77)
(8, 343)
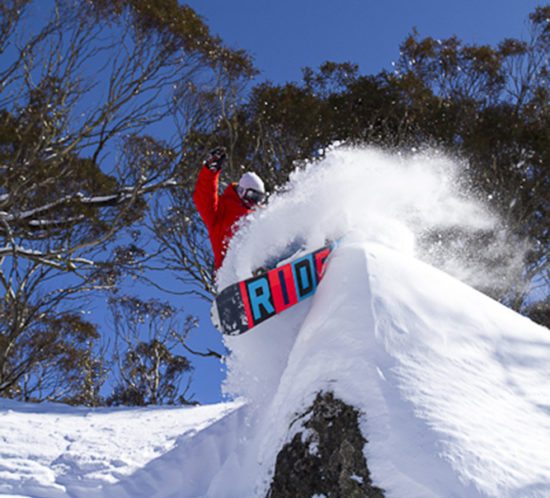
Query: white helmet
(251, 189)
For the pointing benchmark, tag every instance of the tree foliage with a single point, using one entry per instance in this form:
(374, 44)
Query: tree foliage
(53, 358)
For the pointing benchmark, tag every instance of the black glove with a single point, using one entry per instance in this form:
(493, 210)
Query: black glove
(215, 159)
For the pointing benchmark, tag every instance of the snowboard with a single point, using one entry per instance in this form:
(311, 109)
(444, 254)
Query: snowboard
(243, 305)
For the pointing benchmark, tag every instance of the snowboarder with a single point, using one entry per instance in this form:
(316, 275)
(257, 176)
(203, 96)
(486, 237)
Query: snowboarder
(220, 213)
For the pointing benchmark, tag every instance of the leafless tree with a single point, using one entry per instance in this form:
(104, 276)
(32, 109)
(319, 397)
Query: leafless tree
(150, 367)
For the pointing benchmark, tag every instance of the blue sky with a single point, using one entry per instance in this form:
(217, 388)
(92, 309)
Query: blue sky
(286, 35)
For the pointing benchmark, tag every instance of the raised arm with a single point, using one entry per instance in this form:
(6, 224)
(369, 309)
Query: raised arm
(206, 188)
(206, 194)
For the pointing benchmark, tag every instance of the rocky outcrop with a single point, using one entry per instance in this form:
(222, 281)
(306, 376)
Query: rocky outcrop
(325, 457)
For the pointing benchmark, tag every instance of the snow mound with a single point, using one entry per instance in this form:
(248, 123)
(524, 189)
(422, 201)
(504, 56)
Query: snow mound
(453, 386)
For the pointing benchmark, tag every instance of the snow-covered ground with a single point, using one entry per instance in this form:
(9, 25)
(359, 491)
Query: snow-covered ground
(454, 388)
(55, 450)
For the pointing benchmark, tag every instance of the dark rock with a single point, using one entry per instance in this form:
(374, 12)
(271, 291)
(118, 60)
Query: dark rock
(326, 457)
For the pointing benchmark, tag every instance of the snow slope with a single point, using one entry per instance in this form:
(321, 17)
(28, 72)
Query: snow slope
(52, 450)
(454, 388)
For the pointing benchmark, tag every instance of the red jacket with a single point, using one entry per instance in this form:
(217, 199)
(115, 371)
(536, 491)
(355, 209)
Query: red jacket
(219, 212)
